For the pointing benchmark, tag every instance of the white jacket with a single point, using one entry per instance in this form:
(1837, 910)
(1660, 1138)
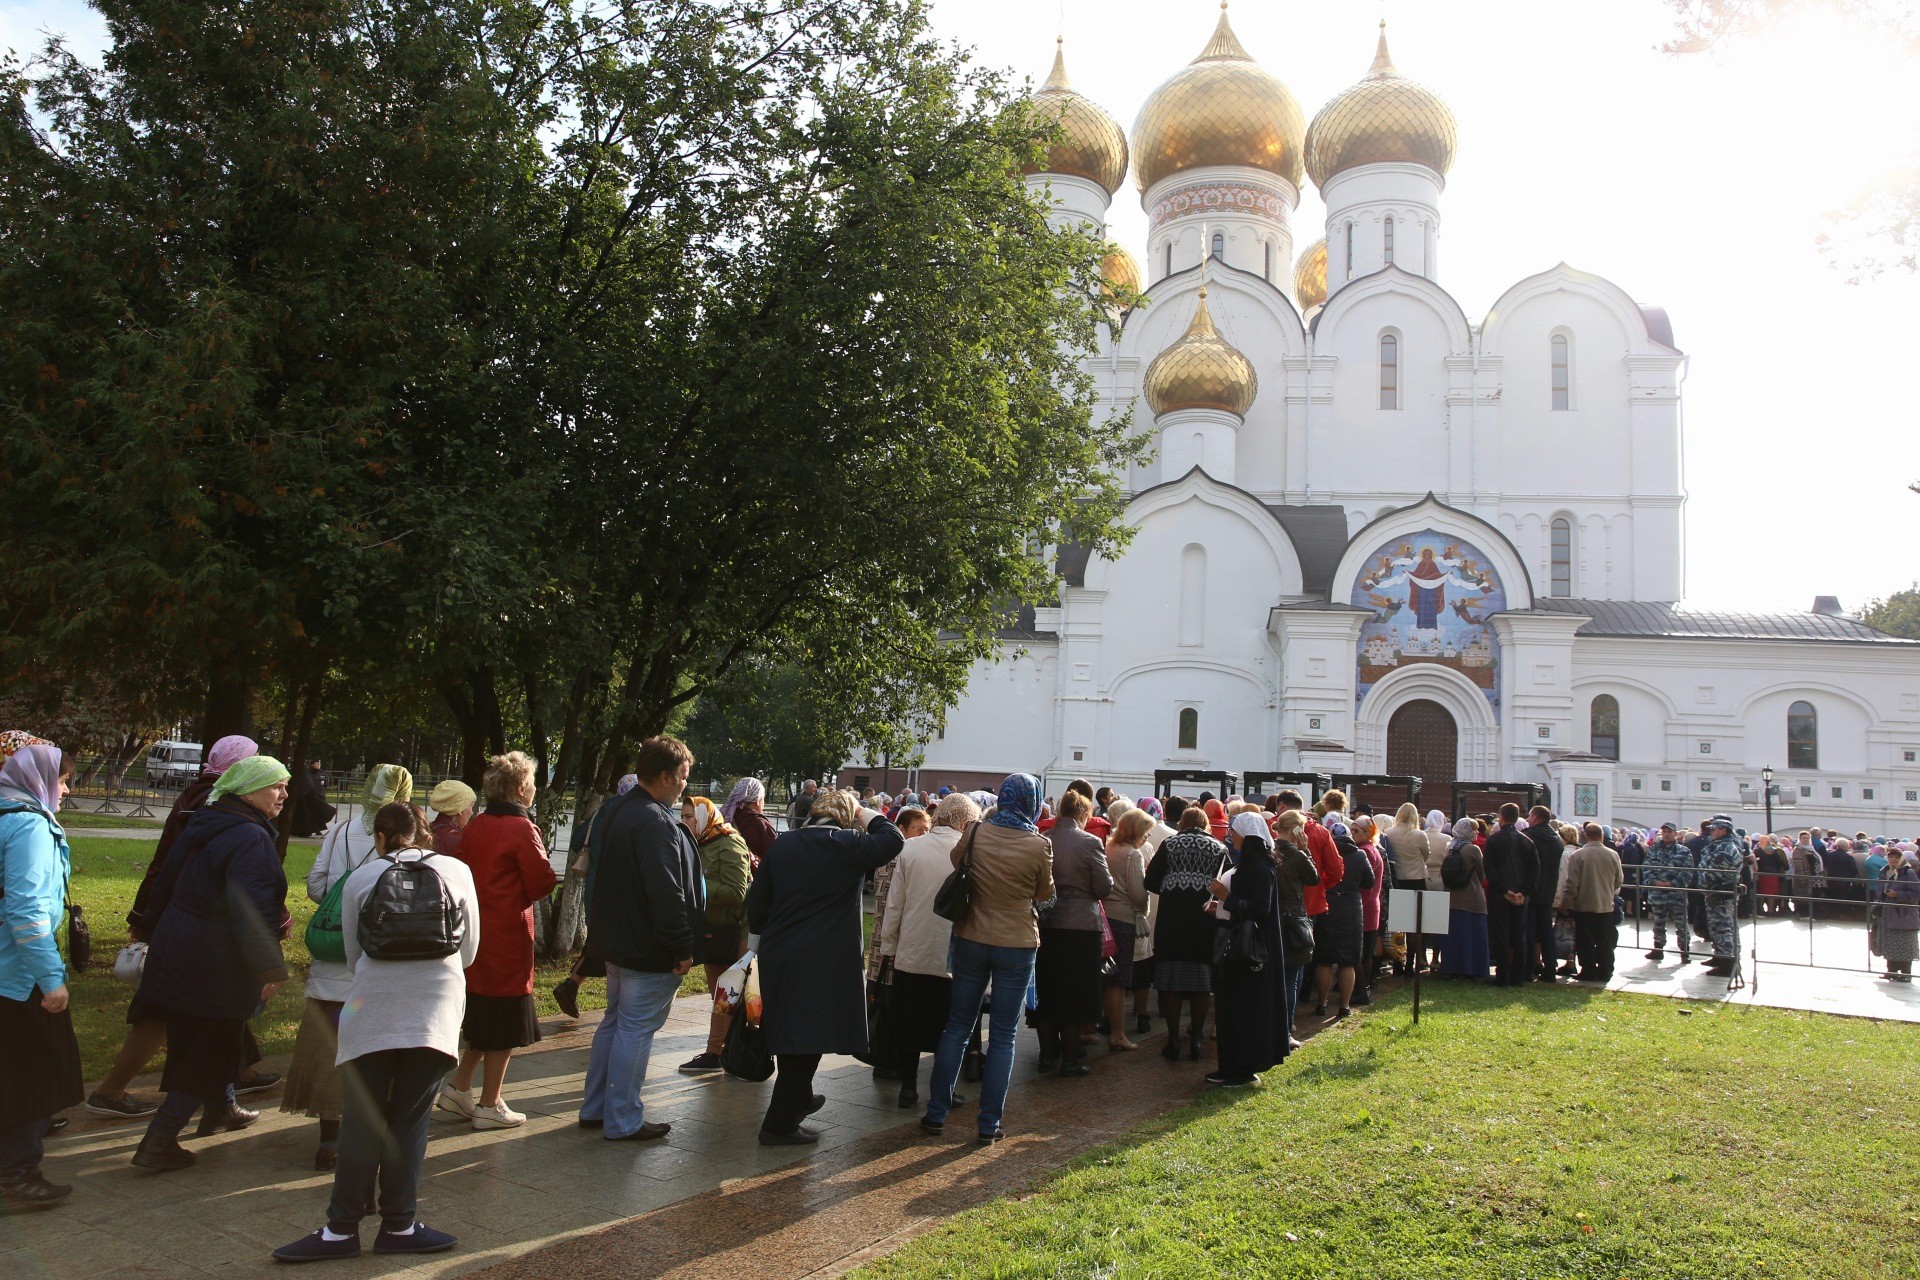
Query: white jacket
(911, 933)
(346, 849)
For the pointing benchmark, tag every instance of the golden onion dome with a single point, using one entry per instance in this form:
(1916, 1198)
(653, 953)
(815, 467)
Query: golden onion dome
(1221, 109)
(1310, 276)
(1122, 276)
(1094, 146)
(1385, 119)
(1201, 371)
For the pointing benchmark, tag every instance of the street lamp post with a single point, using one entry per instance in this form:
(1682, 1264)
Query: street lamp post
(1766, 792)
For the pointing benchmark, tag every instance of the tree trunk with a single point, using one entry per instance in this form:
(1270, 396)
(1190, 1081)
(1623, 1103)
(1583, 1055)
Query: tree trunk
(229, 698)
(569, 931)
(302, 738)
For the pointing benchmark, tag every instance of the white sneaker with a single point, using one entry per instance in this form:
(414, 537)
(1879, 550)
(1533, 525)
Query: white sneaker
(499, 1116)
(452, 1099)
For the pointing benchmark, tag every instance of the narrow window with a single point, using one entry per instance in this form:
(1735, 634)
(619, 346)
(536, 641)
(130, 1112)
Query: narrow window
(1389, 371)
(1604, 727)
(1349, 251)
(1389, 239)
(1189, 729)
(1219, 246)
(1803, 736)
(1561, 579)
(1269, 259)
(1562, 383)
(1193, 595)
(1169, 270)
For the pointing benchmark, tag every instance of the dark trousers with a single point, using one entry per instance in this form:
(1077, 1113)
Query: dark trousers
(21, 1147)
(1540, 918)
(792, 1092)
(1594, 937)
(1508, 937)
(386, 1099)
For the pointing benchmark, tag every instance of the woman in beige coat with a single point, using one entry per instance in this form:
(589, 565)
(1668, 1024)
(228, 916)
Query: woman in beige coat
(1126, 915)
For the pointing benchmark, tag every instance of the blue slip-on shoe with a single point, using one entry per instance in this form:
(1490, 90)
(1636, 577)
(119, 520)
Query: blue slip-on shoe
(316, 1248)
(422, 1239)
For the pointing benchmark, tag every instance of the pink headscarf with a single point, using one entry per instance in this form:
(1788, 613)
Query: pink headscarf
(33, 773)
(227, 752)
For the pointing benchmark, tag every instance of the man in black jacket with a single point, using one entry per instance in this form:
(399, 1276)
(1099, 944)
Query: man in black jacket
(1512, 870)
(646, 908)
(1548, 849)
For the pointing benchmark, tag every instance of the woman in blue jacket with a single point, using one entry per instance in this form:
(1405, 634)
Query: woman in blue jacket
(215, 956)
(39, 1058)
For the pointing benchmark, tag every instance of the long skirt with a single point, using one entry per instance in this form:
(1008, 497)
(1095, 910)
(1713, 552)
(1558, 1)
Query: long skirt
(1339, 932)
(1067, 975)
(313, 1082)
(918, 1005)
(39, 1062)
(1250, 1014)
(1466, 952)
(1899, 945)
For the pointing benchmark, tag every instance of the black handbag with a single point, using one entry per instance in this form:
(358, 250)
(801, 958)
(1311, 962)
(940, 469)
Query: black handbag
(955, 897)
(79, 938)
(745, 1055)
(1239, 945)
(1296, 936)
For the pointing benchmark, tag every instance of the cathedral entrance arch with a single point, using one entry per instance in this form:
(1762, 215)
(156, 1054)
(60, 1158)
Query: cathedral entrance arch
(1423, 740)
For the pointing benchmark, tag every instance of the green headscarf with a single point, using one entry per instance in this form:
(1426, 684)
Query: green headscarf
(387, 784)
(247, 776)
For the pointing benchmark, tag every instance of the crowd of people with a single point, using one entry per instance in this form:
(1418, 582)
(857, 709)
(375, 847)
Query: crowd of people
(1070, 915)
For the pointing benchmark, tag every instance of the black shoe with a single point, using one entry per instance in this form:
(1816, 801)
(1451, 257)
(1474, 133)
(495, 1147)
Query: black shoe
(1686, 958)
(261, 1082)
(1075, 1069)
(58, 1123)
(124, 1107)
(1193, 1047)
(1047, 1065)
(592, 1124)
(701, 1065)
(1142, 1025)
(988, 1139)
(800, 1137)
(1344, 1012)
(1656, 954)
(907, 1098)
(1171, 1049)
(227, 1120)
(162, 1153)
(1221, 1080)
(1364, 999)
(326, 1157)
(651, 1132)
(566, 994)
(819, 1101)
(882, 1074)
(934, 1127)
(32, 1191)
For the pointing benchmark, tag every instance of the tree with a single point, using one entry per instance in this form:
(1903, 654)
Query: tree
(1897, 614)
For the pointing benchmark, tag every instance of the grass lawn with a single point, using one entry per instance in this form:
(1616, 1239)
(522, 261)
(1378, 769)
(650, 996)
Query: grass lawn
(106, 872)
(72, 821)
(1558, 1133)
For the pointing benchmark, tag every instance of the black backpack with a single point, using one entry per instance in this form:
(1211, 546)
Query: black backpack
(1453, 870)
(409, 915)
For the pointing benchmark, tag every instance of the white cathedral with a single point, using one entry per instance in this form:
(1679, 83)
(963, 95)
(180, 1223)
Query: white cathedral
(1379, 537)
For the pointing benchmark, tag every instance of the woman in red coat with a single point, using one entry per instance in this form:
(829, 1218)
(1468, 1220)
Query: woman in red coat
(511, 872)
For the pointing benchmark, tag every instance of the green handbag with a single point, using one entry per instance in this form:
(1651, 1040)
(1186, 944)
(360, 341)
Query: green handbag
(325, 941)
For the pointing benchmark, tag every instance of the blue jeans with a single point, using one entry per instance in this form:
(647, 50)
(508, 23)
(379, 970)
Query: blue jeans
(386, 1101)
(637, 1007)
(974, 964)
(1290, 983)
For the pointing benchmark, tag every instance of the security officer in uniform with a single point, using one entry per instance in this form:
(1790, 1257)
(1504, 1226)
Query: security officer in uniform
(1665, 876)
(1721, 859)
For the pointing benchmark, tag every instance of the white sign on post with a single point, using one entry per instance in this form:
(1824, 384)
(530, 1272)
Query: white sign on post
(1401, 908)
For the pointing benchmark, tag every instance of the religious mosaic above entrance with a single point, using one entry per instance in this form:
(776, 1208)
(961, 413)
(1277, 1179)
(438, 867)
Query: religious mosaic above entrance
(1430, 595)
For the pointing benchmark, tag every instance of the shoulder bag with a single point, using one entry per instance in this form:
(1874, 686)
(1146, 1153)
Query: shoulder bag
(955, 897)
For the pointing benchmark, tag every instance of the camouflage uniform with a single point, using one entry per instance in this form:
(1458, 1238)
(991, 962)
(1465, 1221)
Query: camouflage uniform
(1720, 863)
(1672, 864)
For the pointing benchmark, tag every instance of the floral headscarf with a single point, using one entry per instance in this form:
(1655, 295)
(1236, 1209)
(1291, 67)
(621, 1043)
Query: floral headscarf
(1019, 803)
(226, 753)
(628, 781)
(14, 739)
(1152, 806)
(387, 784)
(745, 791)
(707, 822)
(32, 773)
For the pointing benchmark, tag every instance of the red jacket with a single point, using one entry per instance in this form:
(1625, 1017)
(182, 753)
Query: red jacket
(1327, 858)
(510, 874)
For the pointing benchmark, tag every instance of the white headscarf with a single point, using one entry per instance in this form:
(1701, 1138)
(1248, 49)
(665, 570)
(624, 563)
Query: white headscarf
(1436, 820)
(1251, 824)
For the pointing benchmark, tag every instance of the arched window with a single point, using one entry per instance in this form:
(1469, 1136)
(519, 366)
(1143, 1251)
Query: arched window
(1169, 270)
(1349, 251)
(1604, 727)
(1193, 595)
(1803, 736)
(1562, 372)
(1389, 371)
(1189, 729)
(1560, 580)
(1389, 235)
(1268, 246)
(1219, 246)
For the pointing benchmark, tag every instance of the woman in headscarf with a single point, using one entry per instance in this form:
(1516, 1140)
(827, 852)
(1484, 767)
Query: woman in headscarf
(746, 810)
(1216, 820)
(1467, 952)
(147, 1028)
(1183, 868)
(1406, 849)
(511, 872)
(1067, 971)
(1012, 873)
(804, 910)
(215, 957)
(1252, 1010)
(1439, 839)
(728, 866)
(39, 1057)
(313, 1084)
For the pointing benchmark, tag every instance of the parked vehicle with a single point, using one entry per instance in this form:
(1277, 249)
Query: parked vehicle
(173, 764)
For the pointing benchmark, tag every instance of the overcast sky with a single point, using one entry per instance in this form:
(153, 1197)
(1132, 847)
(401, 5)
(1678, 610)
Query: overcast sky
(1698, 184)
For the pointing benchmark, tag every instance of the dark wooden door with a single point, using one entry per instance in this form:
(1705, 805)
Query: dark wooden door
(1423, 740)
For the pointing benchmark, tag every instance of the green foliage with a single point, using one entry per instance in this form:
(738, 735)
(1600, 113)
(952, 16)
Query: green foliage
(1552, 1133)
(1897, 614)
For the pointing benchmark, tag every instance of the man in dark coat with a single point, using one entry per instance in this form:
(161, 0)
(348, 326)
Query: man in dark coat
(1548, 849)
(647, 906)
(1513, 870)
(311, 812)
(804, 918)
